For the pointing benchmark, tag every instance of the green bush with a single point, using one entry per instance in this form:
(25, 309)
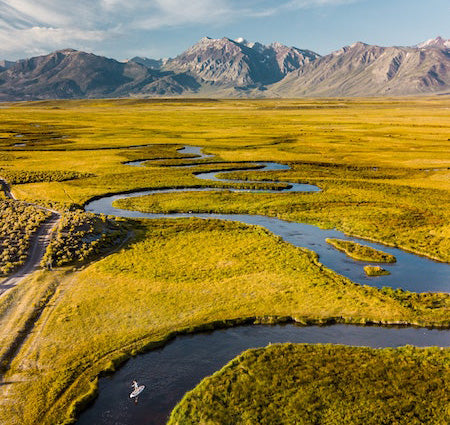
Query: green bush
(25, 176)
(375, 271)
(18, 223)
(361, 252)
(80, 236)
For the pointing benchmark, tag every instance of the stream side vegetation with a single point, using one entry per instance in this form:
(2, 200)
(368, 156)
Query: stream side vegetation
(290, 384)
(361, 252)
(381, 178)
(26, 176)
(375, 271)
(18, 224)
(80, 236)
(167, 279)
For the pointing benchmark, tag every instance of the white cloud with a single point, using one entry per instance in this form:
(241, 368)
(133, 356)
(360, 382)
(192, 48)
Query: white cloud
(39, 40)
(30, 26)
(166, 13)
(303, 4)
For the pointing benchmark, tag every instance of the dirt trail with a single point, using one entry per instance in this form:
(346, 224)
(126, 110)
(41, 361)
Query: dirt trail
(38, 245)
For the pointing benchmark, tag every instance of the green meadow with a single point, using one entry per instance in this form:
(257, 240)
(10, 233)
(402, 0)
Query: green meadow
(383, 169)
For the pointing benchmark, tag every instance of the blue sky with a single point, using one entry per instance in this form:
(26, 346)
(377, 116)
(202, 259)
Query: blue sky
(164, 28)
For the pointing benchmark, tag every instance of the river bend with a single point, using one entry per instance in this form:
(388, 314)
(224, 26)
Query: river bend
(180, 365)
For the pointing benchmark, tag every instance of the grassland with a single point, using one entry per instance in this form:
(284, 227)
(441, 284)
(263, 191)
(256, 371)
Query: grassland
(382, 166)
(169, 280)
(361, 252)
(323, 384)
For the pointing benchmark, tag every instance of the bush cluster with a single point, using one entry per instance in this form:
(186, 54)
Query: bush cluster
(80, 236)
(24, 176)
(18, 223)
(375, 271)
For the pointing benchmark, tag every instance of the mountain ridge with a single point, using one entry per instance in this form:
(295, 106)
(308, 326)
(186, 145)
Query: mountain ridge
(378, 70)
(234, 68)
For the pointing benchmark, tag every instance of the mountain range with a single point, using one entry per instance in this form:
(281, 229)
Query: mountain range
(234, 68)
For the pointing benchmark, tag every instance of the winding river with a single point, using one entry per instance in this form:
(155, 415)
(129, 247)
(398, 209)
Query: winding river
(177, 367)
(411, 272)
(168, 373)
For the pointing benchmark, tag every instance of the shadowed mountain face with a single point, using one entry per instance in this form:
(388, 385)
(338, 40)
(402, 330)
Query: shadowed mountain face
(4, 64)
(69, 74)
(149, 63)
(234, 68)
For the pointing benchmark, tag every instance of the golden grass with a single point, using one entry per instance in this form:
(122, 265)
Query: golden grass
(169, 280)
(361, 252)
(328, 384)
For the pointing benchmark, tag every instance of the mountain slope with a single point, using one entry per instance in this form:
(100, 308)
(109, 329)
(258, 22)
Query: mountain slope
(361, 69)
(72, 74)
(239, 63)
(5, 64)
(149, 63)
(234, 68)
(436, 42)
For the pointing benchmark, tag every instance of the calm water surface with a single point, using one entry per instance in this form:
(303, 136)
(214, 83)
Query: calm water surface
(169, 372)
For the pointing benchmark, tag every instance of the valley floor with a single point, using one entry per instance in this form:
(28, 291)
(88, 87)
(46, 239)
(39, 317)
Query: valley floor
(383, 168)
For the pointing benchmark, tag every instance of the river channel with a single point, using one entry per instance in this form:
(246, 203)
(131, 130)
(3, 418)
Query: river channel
(170, 372)
(180, 365)
(411, 272)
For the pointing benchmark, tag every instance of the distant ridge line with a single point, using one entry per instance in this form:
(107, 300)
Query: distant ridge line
(226, 68)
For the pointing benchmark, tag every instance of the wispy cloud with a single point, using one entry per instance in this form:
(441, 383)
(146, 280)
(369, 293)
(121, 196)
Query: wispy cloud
(39, 40)
(35, 26)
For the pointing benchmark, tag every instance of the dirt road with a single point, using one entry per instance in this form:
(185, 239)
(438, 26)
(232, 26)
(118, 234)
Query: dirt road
(38, 244)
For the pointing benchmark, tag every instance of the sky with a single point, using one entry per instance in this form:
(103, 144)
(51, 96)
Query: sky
(164, 28)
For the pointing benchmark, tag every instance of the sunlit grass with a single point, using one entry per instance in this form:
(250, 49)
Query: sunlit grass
(327, 384)
(171, 279)
(382, 166)
(361, 252)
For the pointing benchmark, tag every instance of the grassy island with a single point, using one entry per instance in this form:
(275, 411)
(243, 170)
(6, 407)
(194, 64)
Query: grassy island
(361, 252)
(375, 271)
(289, 384)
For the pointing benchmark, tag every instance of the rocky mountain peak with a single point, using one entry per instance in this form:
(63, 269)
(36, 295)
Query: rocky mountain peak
(5, 64)
(363, 69)
(436, 42)
(239, 62)
(67, 51)
(234, 68)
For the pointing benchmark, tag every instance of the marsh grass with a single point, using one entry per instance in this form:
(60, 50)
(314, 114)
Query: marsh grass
(381, 165)
(169, 280)
(327, 384)
(361, 252)
(375, 271)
